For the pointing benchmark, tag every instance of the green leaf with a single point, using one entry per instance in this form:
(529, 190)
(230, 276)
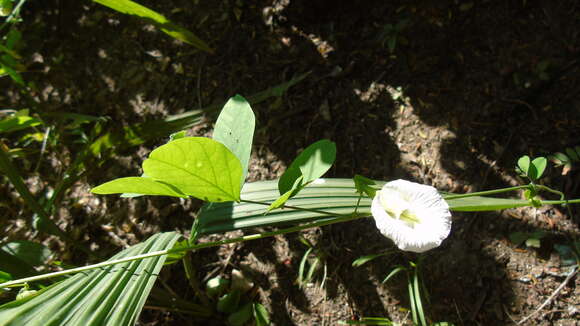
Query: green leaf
(261, 315)
(4, 277)
(572, 154)
(137, 186)
(480, 204)
(518, 238)
(235, 129)
(167, 26)
(124, 137)
(540, 164)
(363, 185)
(229, 302)
(365, 259)
(286, 196)
(177, 135)
(16, 123)
(34, 254)
(112, 295)
(394, 272)
(524, 164)
(301, 276)
(331, 194)
(312, 163)
(243, 315)
(197, 166)
(560, 159)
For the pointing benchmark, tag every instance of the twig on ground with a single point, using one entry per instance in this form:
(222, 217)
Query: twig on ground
(554, 294)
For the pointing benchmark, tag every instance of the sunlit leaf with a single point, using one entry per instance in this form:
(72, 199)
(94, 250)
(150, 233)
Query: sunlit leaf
(312, 163)
(524, 164)
(198, 167)
(540, 164)
(137, 186)
(18, 123)
(166, 25)
(112, 295)
(332, 195)
(235, 129)
(363, 185)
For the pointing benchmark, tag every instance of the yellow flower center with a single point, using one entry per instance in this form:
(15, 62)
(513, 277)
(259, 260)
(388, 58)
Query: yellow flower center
(398, 207)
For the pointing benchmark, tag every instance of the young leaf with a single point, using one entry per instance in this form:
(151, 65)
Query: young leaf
(167, 26)
(287, 195)
(365, 259)
(197, 166)
(235, 129)
(524, 164)
(261, 315)
(138, 185)
(229, 302)
(312, 163)
(539, 164)
(363, 185)
(572, 154)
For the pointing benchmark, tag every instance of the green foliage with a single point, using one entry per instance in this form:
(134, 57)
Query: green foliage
(310, 165)
(235, 129)
(314, 258)
(9, 58)
(32, 253)
(18, 121)
(167, 26)
(193, 166)
(365, 259)
(331, 194)
(566, 160)
(261, 315)
(363, 185)
(113, 295)
(531, 239)
(532, 169)
(138, 186)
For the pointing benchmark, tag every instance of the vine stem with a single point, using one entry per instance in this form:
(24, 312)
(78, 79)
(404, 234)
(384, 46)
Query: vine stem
(484, 193)
(338, 219)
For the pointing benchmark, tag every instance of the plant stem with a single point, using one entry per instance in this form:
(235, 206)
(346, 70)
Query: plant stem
(487, 192)
(339, 219)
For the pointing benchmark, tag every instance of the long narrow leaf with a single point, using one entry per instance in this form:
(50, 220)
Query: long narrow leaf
(167, 26)
(337, 196)
(113, 295)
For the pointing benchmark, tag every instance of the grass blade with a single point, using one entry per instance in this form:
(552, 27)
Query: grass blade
(166, 25)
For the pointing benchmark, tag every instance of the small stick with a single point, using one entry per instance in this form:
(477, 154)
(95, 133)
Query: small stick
(568, 278)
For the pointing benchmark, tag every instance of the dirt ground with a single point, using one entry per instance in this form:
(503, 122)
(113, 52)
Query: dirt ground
(467, 88)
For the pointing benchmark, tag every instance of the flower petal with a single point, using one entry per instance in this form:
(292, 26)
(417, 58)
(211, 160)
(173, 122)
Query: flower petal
(433, 219)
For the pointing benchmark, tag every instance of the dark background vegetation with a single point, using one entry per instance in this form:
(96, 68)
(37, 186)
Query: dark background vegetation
(447, 93)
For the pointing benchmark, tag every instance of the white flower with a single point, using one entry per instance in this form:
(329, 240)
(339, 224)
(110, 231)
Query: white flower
(413, 215)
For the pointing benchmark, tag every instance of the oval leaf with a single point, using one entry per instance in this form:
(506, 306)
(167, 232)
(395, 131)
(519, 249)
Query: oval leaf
(137, 185)
(312, 163)
(524, 164)
(235, 129)
(540, 164)
(198, 167)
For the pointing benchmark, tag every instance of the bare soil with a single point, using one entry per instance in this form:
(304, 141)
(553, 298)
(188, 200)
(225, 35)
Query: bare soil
(468, 88)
